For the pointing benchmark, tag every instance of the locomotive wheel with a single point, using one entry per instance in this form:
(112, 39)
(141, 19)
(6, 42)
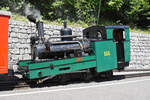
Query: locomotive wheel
(107, 74)
(62, 79)
(93, 72)
(87, 77)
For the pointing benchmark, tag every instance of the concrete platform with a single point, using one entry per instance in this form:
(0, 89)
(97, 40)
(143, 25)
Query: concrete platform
(126, 89)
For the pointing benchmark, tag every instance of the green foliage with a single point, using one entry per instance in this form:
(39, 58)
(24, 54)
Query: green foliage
(140, 12)
(131, 12)
(115, 4)
(18, 17)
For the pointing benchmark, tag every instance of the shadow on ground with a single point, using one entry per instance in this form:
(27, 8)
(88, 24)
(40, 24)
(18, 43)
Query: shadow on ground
(76, 78)
(9, 82)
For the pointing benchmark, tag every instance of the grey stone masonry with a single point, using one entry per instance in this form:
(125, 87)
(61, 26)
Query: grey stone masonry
(19, 43)
(140, 51)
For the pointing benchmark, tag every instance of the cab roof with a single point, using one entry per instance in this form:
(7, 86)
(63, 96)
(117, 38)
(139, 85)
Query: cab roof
(117, 27)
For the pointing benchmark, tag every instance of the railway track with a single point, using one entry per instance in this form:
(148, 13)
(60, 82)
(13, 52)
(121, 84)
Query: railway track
(21, 84)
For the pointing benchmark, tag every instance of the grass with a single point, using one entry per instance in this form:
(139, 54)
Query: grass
(78, 23)
(72, 24)
(139, 30)
(18, 17)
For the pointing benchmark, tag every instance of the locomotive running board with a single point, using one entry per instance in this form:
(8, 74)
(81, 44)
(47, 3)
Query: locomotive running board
(38, 70)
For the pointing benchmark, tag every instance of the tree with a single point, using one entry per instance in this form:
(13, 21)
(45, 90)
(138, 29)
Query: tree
(135, 12)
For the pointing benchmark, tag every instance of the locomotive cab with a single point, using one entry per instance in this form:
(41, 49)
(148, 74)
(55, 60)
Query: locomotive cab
(120, 35)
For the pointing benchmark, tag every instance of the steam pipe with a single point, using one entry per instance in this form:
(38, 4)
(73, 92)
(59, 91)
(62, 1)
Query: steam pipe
(65, 24)
(39, 26)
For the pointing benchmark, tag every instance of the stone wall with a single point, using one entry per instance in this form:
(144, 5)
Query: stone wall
(19, 43)
(140, 51)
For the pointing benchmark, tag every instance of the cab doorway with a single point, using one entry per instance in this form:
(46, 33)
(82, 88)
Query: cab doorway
(119, 38)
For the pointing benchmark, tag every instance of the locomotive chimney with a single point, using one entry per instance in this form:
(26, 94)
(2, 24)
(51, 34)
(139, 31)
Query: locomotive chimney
(39, 26)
